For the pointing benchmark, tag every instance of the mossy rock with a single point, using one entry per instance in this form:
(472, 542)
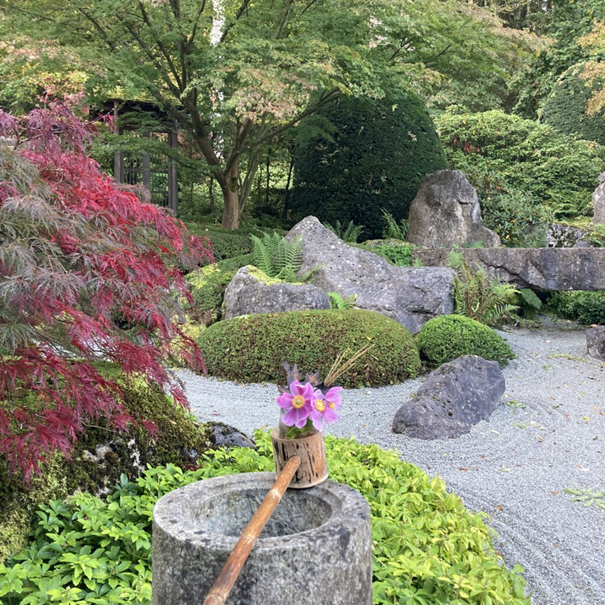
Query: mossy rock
(446, 338)
(208, 285)
(253, 348)
(102, 455)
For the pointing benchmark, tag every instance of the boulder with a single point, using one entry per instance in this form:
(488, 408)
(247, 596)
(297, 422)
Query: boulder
(453, 398)
(446, 213)
(251, 292)
(598, 201)
(409, 295)
(595, 342)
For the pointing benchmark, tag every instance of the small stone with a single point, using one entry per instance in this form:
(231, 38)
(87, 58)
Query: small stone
(225, 435)
(598, 201)
(595, 342)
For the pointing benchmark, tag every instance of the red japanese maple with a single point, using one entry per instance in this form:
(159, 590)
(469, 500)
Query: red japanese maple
(87, 272)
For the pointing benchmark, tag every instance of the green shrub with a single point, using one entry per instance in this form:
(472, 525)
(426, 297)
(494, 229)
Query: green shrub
(524, 157)
(427, 547)
(178, 439)
(225, 244)
(446, 338)
(253, 348)
(565, 108)
(397, 254)
(208, 285)
(374, 158)
(585, 307)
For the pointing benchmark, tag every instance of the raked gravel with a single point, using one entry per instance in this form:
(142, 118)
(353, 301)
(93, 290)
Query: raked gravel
(548, 435)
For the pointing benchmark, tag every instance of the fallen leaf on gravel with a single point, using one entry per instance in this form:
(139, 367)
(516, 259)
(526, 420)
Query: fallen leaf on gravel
(462, 468)
(555, 493)
(499, 507)
(586, 418)
(503, 469)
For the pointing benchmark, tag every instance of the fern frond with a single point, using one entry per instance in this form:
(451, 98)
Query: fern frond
(262, 255)
(530, 299)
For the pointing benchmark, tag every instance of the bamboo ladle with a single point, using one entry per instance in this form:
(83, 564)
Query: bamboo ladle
(224, 583)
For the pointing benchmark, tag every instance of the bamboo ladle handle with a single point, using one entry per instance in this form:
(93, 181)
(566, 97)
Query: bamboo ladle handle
(224, 583)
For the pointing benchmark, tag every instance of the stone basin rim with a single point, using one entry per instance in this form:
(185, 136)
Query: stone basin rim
(343, 500)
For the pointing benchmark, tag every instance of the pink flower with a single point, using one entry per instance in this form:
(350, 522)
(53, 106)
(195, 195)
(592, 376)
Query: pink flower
(297, 404)
(324, 407)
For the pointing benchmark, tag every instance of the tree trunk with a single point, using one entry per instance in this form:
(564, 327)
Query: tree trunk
(231, 210)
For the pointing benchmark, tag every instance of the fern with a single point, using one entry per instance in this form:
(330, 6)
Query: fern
(340, 303)
(529, 302)
(349, 234)
(278, 257)
(479, 297)
(393, 230)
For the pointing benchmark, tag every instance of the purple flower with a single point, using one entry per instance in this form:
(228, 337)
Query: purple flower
(297, 404)
(324, 407)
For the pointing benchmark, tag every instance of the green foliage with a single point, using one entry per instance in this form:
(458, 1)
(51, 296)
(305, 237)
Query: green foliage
(349, 233)
(566, 107)
(427, 547)
(225, 244)
(397, 254)
(375, 159)
(208, 285)
(585, 307)
(479, 297)
(340, 303)
(533, 161)
(253, 348)
(178, 439)
(278, 257)
(529, 303)
(393, 229)
(447, 337)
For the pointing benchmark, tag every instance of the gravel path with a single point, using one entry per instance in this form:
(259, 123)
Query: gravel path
(548, 435)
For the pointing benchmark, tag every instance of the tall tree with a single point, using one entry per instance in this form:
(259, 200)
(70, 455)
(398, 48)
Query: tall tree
(595, 68)
(236, 74)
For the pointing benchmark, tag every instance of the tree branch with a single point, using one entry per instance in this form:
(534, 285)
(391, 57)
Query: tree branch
(161, 46)
(240, 12)
(324, 100)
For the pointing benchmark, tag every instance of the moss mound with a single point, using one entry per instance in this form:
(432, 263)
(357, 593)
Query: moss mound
(445, 338)
(208, 286)
(566, 107)
(378, 153)
(253, 348)
(102, 456)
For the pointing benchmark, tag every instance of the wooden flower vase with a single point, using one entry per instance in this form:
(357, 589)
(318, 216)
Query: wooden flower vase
(313, 468)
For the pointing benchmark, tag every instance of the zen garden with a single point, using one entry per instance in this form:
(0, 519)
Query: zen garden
(302, 302)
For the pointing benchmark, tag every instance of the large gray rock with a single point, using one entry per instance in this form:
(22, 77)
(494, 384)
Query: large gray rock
(446, 213)
(595, 342)
(543, 268)
(453, 398)
(598, 201)
(315, 548)
(248, 293)
(409, 295)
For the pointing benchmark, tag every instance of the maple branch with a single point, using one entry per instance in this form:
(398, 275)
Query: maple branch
(284, 20)
(240, 12)
(196, 24)
(307, 7)
(99, 28)
(161, 46)
(323, 100)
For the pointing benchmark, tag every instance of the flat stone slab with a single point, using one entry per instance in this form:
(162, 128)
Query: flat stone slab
(540, 268)
(315, 548)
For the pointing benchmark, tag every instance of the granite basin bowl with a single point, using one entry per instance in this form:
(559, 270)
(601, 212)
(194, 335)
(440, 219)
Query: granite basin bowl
(316, 547)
